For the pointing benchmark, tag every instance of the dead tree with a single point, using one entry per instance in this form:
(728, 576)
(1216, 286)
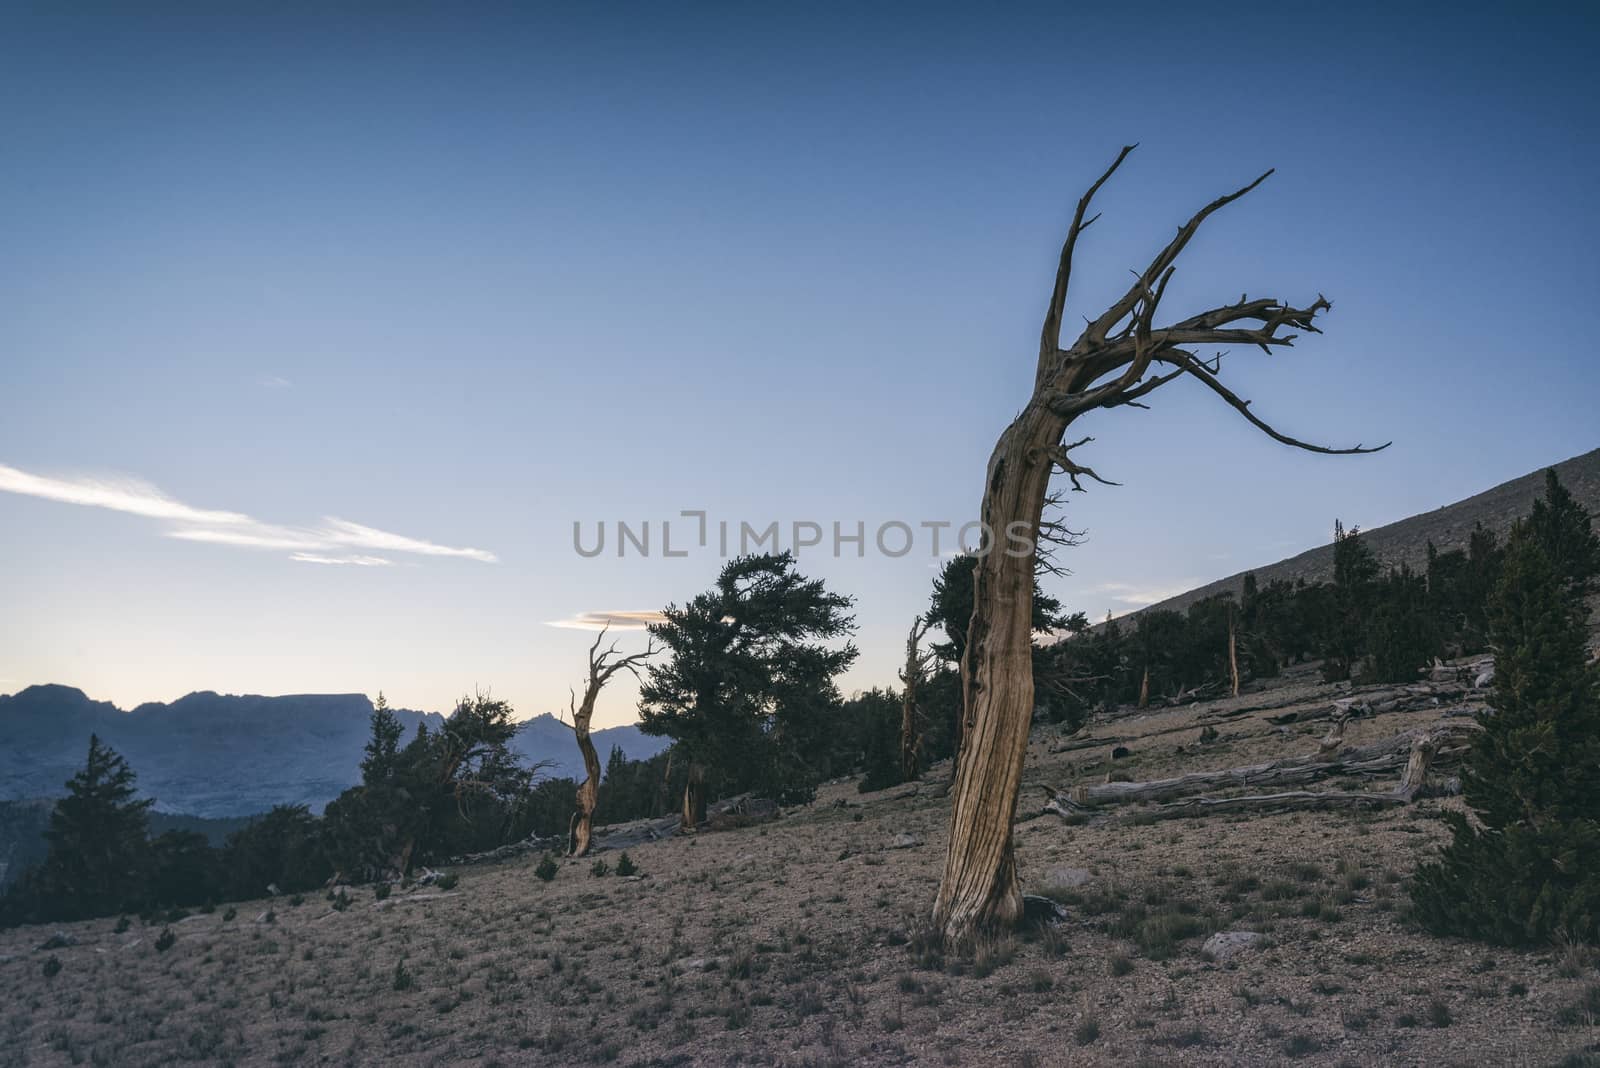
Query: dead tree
(911, 678)
(1233, 654)
(1119, 359)
(602, 665)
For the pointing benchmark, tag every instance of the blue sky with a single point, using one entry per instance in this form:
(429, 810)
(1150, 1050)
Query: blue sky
(465, 279)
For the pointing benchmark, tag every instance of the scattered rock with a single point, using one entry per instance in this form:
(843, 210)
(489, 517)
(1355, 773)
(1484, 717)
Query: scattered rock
(272, 890)
(701, 964)
(59, 940)
(741, 811)
(904, 841)
(1226, 944)
(1043, 911)
(1121, 751)
(1068, 878)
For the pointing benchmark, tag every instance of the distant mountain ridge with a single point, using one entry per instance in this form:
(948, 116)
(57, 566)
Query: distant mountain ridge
(1406, 541)
(218, 755)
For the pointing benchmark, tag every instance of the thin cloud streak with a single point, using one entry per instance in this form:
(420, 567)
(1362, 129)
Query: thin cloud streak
(324, 544)
(344, 532)
(616, 620)
(131, 495)
(1141, 596)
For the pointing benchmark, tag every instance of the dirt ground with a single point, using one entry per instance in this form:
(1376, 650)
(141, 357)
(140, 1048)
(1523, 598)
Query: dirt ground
(800, 943)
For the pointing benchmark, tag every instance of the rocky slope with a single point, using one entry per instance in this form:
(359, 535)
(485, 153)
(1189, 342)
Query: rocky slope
(1406, 541)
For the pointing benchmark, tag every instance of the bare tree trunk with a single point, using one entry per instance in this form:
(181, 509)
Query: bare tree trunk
(602, 665)
(1106, 367)
(1233, 654)
(664, 794)
(588, 797)
(694, 799)
(911, 679)
(979, 884)
(1144, 688)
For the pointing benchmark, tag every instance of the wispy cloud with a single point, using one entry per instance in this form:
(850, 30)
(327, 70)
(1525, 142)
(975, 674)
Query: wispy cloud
(344, 532)
(616, 620)
(273, 382)
(131, 495)
(1141, 596)
(327, 543)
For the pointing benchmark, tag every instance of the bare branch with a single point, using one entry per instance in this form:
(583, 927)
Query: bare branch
(1058, 455)
(1050, 339)
(1097, 331)
(1190, 364)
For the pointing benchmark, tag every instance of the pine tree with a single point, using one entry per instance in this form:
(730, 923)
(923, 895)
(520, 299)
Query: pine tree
(97, 841)
(1563, 529)
(1403, 635)
(1525, 872)
(746, 691)
(1355, 573)
(382, 752)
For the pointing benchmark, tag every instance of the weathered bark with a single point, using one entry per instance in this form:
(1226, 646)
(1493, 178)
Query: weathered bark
(1106, 367)
(1233, 654)
(693, 813)
(588, 798)
(911, 677)
(602, 665)
(1333, 741)
(1144, 688)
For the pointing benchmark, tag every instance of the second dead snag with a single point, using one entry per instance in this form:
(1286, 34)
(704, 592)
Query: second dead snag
(602, 666)
(911, 679)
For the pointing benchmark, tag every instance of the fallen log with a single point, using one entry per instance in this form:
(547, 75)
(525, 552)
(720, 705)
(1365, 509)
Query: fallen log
(1376, 758)
(1075, 745)
(1411, 783)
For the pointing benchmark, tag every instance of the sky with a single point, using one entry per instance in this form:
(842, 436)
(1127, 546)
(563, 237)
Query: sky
(322, 330)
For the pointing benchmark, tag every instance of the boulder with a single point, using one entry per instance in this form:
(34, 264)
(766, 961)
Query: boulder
(904, 841)
(1043, 911)
(58, 940)
(701, 964)
(1225, 944)
(1067, 878)
(741, 811)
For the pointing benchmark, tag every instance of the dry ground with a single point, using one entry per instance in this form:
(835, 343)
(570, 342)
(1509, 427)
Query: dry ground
(796, 943)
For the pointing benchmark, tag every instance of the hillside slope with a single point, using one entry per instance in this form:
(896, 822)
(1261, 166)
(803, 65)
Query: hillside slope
(1406, 541)
(801, 942)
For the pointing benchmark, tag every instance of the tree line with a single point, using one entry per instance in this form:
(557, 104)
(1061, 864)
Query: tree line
(743, 682)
